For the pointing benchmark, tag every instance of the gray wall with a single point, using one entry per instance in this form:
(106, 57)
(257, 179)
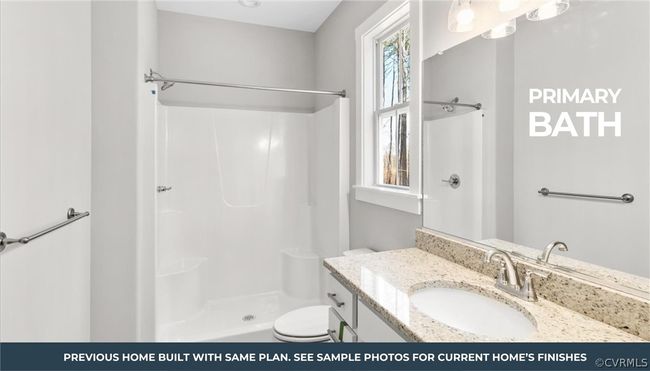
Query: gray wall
(113, 193)
(370, 225)
(45, 166)
(202, 48)
(123, 46)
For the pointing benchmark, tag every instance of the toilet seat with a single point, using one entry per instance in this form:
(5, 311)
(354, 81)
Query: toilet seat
(303, 325)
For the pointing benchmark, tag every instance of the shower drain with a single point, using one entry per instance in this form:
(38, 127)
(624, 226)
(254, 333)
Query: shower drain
(248, 317)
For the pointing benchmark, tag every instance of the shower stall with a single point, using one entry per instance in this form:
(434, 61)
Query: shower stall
(248, 204)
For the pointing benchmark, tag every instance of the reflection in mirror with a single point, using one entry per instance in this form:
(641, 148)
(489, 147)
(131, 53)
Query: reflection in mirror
(564, 107)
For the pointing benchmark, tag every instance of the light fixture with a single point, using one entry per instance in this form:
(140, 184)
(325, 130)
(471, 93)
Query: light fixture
(461, 16)
(250, 3)
(548, 10)
(502, 30)
(508, 5)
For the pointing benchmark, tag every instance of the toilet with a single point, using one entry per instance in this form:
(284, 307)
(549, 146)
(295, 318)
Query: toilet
(303, 325)
(308, 324)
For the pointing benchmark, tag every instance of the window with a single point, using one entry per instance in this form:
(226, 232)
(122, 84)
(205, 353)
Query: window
(388, 108)
(393, 57)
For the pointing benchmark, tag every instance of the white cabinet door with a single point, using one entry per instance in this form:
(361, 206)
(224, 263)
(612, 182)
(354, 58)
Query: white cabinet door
(342, 299)
(372, 329)
(45, 123)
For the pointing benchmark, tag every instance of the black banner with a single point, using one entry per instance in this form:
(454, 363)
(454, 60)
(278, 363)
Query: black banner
(350, 356)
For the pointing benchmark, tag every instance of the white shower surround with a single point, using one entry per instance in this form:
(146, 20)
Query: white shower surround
(257, 199)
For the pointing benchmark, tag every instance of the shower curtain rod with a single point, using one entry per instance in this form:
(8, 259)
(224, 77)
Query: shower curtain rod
(454, 102)
(168, 83)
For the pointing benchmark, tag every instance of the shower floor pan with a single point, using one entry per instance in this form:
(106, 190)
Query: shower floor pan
(232, 317)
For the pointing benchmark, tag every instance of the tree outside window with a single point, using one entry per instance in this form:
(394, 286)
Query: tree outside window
(392, 117)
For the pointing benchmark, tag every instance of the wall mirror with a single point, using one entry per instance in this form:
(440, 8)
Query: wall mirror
(563, 119)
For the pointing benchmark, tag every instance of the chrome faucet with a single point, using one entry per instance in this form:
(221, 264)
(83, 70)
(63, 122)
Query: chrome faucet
(507, 271)
(549, 248)
(508, 279)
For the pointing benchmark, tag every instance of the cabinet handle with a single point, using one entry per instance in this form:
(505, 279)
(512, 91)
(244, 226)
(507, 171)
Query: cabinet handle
(336, 301)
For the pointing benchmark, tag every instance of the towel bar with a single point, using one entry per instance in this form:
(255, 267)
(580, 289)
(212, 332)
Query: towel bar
(72, 216)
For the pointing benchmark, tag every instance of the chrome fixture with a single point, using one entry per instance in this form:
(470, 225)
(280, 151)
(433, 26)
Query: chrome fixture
(548, 10)
(502, 30)
(508, 279)
(549, 248)
(168, 83)
(454, 181)
(625, 198)
(72, 216)
(461, 16)
(507, 271)
(163, 188)
(449, 106)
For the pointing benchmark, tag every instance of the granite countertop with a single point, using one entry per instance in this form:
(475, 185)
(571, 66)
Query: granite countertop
(384, 281)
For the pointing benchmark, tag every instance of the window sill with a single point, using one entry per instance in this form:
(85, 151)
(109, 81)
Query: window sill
(398, 199)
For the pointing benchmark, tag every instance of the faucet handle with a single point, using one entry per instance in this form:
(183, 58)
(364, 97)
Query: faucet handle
(528, 289)
(529, 273)
(502, 276)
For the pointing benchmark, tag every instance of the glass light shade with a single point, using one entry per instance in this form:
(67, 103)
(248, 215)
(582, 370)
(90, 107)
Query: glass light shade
(502, 30)
(508, 5)
(461, 16)
(250, 3)
(550, 9)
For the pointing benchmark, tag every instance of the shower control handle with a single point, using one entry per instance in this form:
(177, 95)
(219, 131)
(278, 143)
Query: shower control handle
(163, 188)
(454, 181)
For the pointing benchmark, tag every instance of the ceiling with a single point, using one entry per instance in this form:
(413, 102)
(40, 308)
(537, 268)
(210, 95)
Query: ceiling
(302, 15)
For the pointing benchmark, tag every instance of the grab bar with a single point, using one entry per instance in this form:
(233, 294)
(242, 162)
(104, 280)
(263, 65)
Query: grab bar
(626, 198)
(72, 216)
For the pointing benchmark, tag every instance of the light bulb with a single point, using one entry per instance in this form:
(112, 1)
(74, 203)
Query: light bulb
(461, 16)
(502, 30)
(508, 5)
(548, 10)
(465, 16)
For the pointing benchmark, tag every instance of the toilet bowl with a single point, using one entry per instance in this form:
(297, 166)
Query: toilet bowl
(308, 324)
(303, 325)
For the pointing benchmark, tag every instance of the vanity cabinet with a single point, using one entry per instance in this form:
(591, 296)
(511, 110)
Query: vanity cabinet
(350, 320)
(342, 300)
(372, 329)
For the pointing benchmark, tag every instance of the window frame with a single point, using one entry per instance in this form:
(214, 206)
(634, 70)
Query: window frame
(394, 110)
(387, 20)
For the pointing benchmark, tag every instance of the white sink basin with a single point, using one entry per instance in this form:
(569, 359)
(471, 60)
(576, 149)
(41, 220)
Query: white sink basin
(472, 312)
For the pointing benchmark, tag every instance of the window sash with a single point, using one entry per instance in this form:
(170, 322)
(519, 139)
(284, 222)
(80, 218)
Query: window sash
(380, 68)
(393, 112)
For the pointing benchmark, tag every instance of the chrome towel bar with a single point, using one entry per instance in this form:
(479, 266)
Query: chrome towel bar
(72, 217)
(626, 198)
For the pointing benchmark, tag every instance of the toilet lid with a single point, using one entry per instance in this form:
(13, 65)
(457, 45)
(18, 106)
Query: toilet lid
(304, 322)
(293, 339)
